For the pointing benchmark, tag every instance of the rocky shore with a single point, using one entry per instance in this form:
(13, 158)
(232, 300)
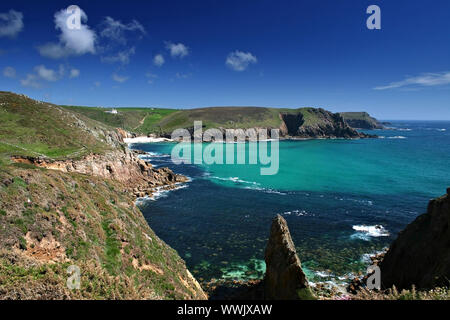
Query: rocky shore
(137, 175)
(284, 278)
(416, 266)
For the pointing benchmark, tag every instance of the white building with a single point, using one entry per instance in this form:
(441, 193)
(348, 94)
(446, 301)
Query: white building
(113, 111)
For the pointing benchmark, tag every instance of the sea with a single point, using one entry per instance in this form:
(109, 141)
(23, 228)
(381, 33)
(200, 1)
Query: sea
(344, 201)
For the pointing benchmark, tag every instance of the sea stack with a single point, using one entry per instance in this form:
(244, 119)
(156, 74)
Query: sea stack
(284, 279)
(420, 256)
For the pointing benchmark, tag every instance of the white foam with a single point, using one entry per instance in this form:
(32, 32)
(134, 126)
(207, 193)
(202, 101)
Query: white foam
(367, 257)
(160, 192)
(298, 213)
(397, 137)
(266, 190)
(323, 274)
(145, 140)
(235, 180)
(370, 231)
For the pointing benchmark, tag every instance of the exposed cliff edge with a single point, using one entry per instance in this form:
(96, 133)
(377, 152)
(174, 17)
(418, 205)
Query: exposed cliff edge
(361, 120)
(316, 123)
(420, 256)
(136, 174)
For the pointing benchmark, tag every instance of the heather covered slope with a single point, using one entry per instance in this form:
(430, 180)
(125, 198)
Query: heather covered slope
(81, 213)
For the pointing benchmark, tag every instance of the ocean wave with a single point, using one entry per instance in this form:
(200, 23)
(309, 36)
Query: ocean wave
(152, 155)
(442, 130)
(367, 257)
(362, 201)
(250, 185)
(234, 179)
(267, 190)
(297, 213)
(397, 137)
(160, 192)
(323, 274)
(366, 232)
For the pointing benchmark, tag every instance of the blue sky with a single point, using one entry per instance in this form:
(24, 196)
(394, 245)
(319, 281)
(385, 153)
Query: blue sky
(185, 54)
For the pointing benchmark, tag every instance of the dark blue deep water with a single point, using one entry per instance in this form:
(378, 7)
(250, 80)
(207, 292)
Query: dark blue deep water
(332, 193)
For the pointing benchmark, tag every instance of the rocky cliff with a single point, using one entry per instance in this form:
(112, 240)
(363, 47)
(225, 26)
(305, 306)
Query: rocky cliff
(361, 120)
(420, 256)
(306, 123)
(317, 123)
(136, 174)
(284, 279)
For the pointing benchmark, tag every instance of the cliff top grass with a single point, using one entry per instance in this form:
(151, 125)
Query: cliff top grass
(356, 115)
(33, 128)
(140, 120)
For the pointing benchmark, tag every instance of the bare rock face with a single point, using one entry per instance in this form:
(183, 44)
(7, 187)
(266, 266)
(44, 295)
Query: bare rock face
(124, 166)
(420, 256)
(327, 125)
(284, 279)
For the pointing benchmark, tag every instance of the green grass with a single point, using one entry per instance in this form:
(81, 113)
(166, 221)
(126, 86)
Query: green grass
(112, 248)
(145, 121)
(140, 120)
(32, 128)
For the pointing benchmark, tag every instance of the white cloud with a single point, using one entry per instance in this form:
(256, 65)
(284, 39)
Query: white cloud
(423, 80)
(180, 75)
(151, 77)
(158, 60)
(42, 73)
(118, 78)
(74, 73)
(115, 37)
(97, 84)
(177, 49)
(115, 29)
(9, 72)
(11, 23)
(49, 74)
(31, 81)
(71, 42)
(122, 56)
(239, 61)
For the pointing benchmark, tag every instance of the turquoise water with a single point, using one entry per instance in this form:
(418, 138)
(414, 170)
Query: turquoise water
(332, 193)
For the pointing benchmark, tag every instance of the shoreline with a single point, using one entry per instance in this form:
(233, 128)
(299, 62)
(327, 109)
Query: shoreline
(143, 139)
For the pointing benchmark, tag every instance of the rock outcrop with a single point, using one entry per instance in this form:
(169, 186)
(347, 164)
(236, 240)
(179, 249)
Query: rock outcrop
(136, 174)
(319, 124)
(361, 120)
(284, 279)
(420, 256)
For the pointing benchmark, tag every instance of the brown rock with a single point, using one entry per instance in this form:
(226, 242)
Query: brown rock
(284, 279)
(420, 256)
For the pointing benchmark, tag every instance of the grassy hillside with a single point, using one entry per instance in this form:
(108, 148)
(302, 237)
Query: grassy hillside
(164, 121)
(139, 120)
(50, 220)
(32, 128)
